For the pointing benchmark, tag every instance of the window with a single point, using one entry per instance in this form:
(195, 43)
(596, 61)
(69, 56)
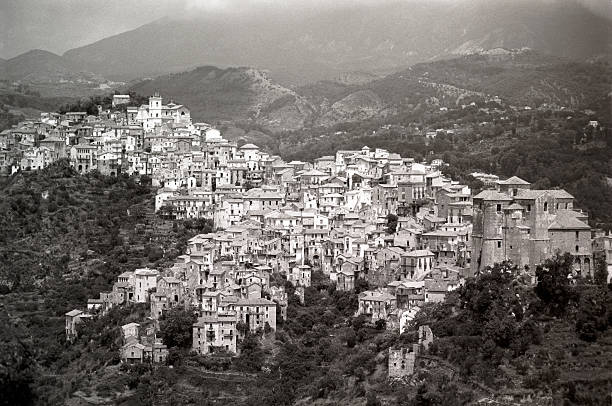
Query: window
(545, 206)
(577, 248)
(498, 244)
(498, 208)
(577, 234)
(528, 208)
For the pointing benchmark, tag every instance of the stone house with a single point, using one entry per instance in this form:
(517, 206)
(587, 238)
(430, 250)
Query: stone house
(145, 281)
(215, 333)
(300, 276)
(376, 304)
(255, 313)
(73, 319)
(133, 353)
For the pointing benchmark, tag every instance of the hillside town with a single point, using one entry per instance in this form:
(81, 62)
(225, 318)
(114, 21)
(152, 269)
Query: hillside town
(368, 215)
(354, 203)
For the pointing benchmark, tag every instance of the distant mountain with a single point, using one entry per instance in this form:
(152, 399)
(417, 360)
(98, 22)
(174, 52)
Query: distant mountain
(38, 65)
(52, 75)
(308, 46)
(518, 77)
(233, 94)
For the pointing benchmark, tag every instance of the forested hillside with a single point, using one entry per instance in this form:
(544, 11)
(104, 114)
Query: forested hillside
(518, 77)
(549, 149)
(63, 239)
(523, 77)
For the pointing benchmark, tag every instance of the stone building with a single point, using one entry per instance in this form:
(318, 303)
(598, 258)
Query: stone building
(376, 304)
(73, 319)
(256, 313)
(402, 360)
(528, 226)
(215, 333)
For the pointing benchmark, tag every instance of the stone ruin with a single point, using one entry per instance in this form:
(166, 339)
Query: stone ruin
(402, 360)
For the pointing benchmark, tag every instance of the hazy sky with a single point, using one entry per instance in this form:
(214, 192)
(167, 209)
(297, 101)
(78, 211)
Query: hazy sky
(59, 25)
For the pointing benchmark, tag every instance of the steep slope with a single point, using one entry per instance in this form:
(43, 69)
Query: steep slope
(519, 77)
(306, 46)
(235, 94)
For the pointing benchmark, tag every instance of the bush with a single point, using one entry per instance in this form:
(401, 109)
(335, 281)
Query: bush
(176, 327)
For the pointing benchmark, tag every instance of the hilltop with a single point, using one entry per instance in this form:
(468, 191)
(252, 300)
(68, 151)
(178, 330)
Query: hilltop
(521, 77)
(38, 65)
(51, 75)
(518, 77)
(310, 45)
(215, 94)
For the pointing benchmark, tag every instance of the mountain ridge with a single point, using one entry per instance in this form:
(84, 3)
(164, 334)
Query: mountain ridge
(519, 77)
(323, 45)
(51, 75)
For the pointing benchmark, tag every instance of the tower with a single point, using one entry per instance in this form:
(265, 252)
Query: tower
(155, 106)
(488, 233)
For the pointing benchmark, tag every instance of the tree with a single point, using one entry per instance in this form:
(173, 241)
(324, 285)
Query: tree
(372, 399)
(16, 365)
(361, 285)
(242, 327)
(251, 355)
(553, 285)
(176, 327)
(600, 276)
(592, 316)
(391, 223)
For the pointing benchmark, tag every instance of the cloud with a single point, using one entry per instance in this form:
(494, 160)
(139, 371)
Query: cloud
(59, 25)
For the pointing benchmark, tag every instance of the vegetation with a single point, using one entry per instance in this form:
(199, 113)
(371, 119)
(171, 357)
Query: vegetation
(545, 148)
(496, 333)
(64, 238)
(501, 332)
(90, 104)
(391, 223)
(17, 364)
(176, 326)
